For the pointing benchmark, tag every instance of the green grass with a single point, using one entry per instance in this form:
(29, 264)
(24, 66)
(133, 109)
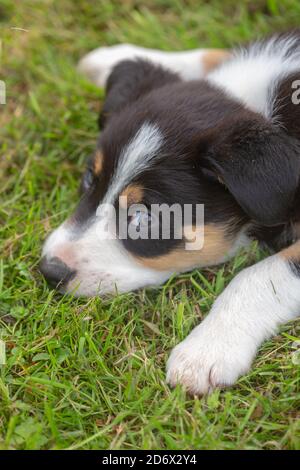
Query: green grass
(89, 374)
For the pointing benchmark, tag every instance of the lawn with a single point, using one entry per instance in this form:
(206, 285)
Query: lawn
(90, 374)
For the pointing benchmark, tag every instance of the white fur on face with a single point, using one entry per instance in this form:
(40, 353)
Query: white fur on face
(223, 346)
(101, 263)
(135, 157)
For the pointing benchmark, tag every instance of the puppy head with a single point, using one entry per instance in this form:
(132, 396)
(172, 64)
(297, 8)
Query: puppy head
(167, 146)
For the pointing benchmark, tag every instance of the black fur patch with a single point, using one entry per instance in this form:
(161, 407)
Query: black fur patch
(129, 80)
(258, 163)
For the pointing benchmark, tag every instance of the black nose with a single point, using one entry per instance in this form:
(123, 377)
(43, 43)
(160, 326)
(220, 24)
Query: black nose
(56, 272)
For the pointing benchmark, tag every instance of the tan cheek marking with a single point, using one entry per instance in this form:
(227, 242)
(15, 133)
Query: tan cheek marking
(134, 194)
(216, 245)
(213, 58)
(291, 252)
(98, 163)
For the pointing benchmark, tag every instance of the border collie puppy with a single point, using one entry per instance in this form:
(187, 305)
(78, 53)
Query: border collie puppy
(204, 127)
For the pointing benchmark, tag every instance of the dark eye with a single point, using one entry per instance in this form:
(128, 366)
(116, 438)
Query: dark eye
(140, 218)
(87, 180)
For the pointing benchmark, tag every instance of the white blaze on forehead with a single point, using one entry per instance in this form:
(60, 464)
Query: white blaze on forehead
(135, 157)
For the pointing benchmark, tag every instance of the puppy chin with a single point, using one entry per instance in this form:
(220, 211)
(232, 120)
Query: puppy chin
(84, 289)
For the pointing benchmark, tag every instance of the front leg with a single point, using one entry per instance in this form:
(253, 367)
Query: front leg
(219, 350)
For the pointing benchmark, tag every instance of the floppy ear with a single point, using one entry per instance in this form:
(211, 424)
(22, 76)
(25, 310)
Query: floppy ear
(258, 163)
(128, 81)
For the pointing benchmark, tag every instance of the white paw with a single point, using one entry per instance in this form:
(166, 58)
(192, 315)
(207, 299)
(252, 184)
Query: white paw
(208, 358)
(98, 64)
(222, 347)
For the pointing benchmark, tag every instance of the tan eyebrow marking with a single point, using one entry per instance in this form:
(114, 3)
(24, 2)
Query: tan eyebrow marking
(213, 58)
(134, 194)
(98, 162)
